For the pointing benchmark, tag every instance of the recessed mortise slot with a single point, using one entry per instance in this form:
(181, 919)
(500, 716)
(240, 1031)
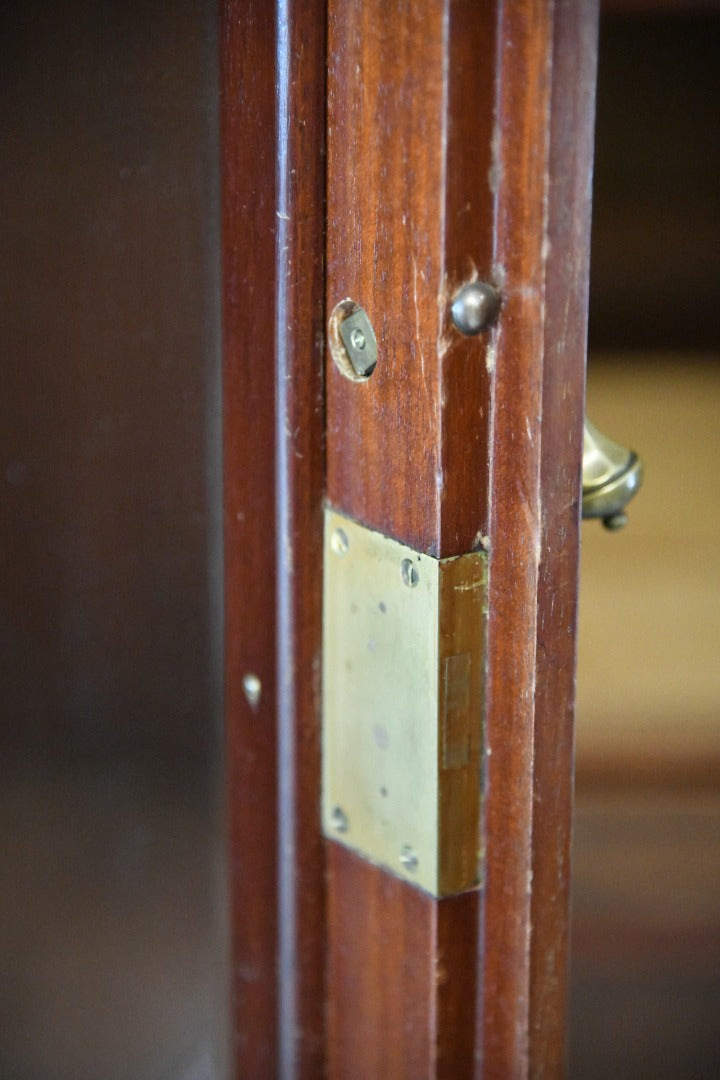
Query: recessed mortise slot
(352, 341)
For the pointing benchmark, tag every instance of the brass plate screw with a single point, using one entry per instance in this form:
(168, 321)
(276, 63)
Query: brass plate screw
(408, 859)
(338, 819)
(410, 573)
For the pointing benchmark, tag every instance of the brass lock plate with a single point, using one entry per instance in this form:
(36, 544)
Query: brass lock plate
(403, 705)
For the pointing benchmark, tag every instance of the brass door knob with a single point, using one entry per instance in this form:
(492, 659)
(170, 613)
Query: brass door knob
(611, 475)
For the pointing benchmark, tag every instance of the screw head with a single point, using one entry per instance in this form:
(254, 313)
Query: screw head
(339, 820)
(475, 307)
(410, 573)
(358, 338)
(339, 542)
(408, 859)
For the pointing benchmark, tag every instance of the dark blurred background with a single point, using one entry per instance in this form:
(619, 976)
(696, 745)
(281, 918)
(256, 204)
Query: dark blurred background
(656, 223)
(112, 909)
(646, 885)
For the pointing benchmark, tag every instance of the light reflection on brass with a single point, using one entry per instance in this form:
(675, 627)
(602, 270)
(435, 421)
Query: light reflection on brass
(611, 476)
(403, 706)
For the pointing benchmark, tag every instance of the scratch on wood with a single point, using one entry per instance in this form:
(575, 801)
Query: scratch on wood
(495, 170)
(468, 586)
(444, 341)
(418, 335)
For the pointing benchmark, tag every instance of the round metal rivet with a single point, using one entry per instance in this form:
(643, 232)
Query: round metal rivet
(475, 307)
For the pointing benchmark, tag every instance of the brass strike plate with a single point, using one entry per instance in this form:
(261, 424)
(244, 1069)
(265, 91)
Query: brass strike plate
(403, 705)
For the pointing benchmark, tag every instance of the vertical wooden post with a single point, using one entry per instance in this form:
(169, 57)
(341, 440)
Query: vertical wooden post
(452, 137)
(410, 119)
(569, 204)
(459, 143)
(248, 251)
(273, 113)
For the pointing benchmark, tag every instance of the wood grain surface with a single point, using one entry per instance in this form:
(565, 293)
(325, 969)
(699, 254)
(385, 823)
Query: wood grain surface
(451, 155)
(248, 223)
(402, 972)
(516, 514)
(409, 212)
(300, 490)
(409, 220)
(273, 109)
(568, 228)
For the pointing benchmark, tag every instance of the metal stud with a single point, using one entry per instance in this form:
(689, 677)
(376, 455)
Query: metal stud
(475, 307)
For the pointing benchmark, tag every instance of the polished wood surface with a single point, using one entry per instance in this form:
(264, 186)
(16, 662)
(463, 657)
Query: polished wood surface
(402, 975)
(566, 299)
(273, 95)
(404, 457)
(248, 181)
(409, 214)
(300, 489)
(446, 133)
(546, 87)
(523, 111)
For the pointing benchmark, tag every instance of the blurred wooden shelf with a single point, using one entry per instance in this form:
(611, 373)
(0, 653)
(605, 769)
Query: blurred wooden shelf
(649, 676)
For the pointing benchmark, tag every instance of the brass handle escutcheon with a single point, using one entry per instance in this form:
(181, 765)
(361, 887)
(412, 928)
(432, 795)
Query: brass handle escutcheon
(611, 476)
